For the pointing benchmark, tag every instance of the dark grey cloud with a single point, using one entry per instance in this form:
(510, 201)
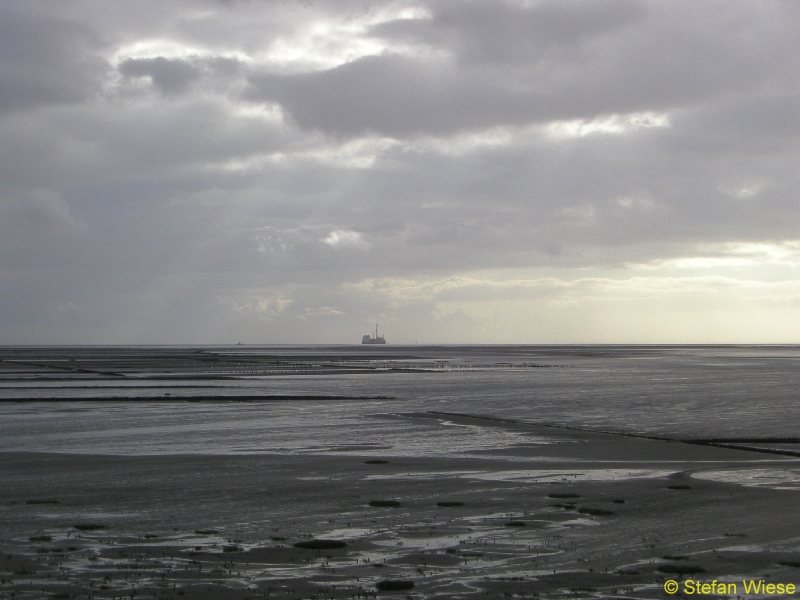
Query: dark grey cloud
(507, 33)
(170, 76)
(45, 60)
(507, 63)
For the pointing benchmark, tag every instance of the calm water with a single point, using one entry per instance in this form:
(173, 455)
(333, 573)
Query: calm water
(680, 391)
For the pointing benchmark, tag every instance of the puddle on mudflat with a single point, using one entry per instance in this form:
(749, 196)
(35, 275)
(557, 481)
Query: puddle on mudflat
(437, 542)
(86, 516)
(424, 475)
(349, 533)
(744, 548)
(779, 479)
(538, 475)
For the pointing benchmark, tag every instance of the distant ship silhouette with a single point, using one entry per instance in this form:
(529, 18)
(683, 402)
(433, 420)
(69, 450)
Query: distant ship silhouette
(373, 340)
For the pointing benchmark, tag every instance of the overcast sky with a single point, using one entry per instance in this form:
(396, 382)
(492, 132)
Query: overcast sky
(459, 171)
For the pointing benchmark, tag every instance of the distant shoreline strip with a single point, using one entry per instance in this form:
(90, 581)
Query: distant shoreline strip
(171, 398)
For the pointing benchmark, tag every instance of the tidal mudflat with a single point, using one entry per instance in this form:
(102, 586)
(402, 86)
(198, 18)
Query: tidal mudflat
(453, 472)
(589, 515)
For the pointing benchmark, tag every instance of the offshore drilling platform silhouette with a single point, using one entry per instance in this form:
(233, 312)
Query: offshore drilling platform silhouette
(367, 339)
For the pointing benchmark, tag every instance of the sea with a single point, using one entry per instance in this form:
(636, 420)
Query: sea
(336, 399)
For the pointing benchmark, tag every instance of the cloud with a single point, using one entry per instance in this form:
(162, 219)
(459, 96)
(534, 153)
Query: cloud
(184, 170)
(171, 76)
(39, 213)
(342, 238)
(514, 63)
(45, 60)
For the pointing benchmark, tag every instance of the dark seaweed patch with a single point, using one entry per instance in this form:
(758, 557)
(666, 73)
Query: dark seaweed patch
(206, 531)
(681, 569)
(393, 585)
(384, 503)
(320, 544)
(679, 487)
(41, 501)
(562, 496)
(597, 512)
(40, 538)
(88, 526)
(376, 462)
(449, 504)
(515, 524)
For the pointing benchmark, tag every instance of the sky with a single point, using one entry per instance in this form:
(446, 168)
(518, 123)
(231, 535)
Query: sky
(458, 171)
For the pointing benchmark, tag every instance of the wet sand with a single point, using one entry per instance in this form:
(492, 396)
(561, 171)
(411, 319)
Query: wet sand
(588, 515)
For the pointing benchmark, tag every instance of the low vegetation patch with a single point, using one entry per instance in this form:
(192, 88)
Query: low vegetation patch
(679, 487)
(790, 563)
(206, 531)
(619, 501)
(320, 544)
(376, 462)
(563, 495)
(40, 538)
(448, 504)
(41, 501)
(515, 524)
(674, 557)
